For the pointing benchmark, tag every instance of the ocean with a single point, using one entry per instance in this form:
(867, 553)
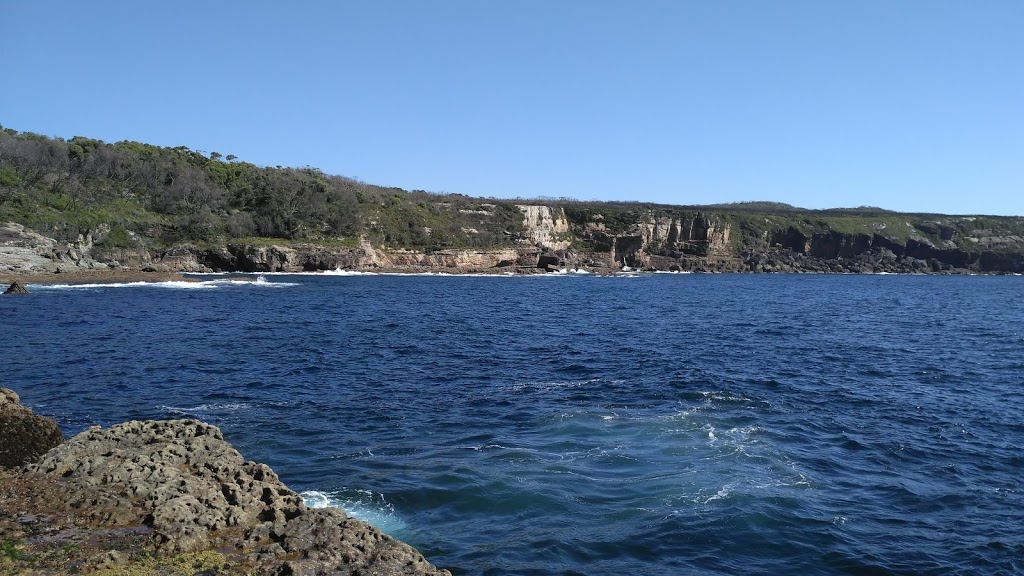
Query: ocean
(570, 424)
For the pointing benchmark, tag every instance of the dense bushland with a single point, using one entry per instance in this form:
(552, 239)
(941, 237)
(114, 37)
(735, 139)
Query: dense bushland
(168, 195)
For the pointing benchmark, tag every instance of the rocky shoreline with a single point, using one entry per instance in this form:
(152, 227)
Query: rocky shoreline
(30, 258)
(167, 497)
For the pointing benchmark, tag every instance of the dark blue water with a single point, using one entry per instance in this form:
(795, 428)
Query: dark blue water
(579, 425)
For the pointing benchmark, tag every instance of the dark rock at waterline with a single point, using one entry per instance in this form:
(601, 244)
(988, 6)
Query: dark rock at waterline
(548, 261)
(16, 288)
(24, 436)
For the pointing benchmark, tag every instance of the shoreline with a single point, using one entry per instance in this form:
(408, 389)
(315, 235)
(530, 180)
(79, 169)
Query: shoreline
(90, 277)
(80, 277)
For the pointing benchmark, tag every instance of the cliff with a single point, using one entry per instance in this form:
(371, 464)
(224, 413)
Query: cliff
(739, 239)
(597, 238)
(162, 497)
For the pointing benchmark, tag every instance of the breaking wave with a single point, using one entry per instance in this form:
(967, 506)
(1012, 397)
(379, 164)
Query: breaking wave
(365, 505)
(170, 284)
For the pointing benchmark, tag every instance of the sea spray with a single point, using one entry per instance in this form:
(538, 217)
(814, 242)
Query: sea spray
(365, 505)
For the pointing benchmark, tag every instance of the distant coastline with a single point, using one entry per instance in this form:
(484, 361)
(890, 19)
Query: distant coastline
(93, 277)
(84, 206)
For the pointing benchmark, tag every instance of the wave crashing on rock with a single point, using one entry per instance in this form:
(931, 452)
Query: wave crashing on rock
(191, 491)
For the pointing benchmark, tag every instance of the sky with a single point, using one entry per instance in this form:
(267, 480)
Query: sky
(910, 105)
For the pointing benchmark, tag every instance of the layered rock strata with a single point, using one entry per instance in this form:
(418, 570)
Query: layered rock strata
(556, 238)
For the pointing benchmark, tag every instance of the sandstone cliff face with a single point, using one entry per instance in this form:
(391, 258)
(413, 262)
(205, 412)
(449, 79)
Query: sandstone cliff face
(697, 234)
(545, 227)
(671, 237)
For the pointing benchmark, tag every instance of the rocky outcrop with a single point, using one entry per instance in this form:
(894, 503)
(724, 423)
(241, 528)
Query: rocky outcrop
(446, 260)
(182, 484)
(792, 251)
(26, 436)
(830, 245)
(22, 250)
(16, 288)
(792, 239)
(310, 257)
(183, 258)
(182, 474)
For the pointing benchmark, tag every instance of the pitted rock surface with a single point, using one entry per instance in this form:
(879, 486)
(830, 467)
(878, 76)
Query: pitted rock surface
(196, 492)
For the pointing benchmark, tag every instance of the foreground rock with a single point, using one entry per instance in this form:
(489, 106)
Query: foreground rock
(176, 490)
(24, 436)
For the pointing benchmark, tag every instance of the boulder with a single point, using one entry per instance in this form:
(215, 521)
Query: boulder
(25, 436)
(16, 288)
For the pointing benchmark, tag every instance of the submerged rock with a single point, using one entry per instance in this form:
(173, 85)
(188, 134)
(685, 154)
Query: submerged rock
(24, 436)
(16, 288)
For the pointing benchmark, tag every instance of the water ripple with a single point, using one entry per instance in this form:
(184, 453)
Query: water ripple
(666, 425)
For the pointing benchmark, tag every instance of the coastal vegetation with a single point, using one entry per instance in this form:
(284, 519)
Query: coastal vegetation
(166, 196)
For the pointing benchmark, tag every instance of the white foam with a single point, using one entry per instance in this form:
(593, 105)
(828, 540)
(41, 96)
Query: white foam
(365, 505)
(480, 447)
(722, 396)
(205, 408)
(344, 273)
(722, 494)
(176, 284)
(170, 284)
(340, 272)
(539, 385)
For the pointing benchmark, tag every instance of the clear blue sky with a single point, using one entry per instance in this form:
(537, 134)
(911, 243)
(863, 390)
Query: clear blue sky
(908, 105)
